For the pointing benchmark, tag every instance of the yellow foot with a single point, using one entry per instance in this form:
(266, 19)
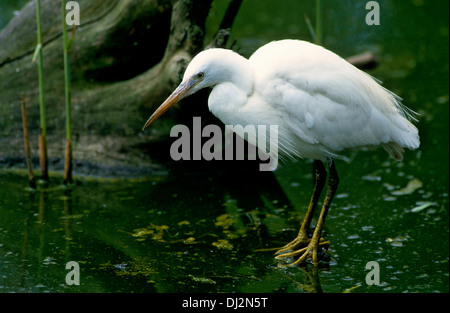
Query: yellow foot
(305, 248)
(296, 244)
(300, 241)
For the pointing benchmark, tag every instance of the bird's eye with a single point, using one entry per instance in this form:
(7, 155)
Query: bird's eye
(200, 75)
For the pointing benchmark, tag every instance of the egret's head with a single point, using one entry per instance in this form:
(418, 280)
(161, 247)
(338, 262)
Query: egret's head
(208, 68)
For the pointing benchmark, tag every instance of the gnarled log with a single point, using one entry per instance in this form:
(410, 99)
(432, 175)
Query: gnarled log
(127, 56)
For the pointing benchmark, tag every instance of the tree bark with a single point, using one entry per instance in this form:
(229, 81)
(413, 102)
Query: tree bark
(126, 58)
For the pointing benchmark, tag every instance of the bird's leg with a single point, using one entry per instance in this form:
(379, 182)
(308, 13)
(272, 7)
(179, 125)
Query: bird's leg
(302, 239)
(312, 249)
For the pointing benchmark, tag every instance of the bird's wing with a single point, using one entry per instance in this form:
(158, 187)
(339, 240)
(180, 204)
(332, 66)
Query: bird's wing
(325, 100)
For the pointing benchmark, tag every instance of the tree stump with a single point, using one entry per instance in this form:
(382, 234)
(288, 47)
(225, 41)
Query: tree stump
(126, 58)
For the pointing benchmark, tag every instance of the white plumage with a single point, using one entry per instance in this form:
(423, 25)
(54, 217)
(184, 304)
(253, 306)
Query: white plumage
(321, 103)
(329, 103)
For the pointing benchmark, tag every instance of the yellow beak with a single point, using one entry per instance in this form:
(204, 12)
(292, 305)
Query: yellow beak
(177, 95)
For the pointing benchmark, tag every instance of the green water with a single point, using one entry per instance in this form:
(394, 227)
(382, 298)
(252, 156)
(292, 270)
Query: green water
(197, 227)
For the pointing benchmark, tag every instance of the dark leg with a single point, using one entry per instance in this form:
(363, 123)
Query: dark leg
(311, 250)
(302, 239)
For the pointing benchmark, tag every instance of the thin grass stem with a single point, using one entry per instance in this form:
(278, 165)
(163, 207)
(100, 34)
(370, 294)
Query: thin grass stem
(318, 31)
(43, 126)
(66, 43)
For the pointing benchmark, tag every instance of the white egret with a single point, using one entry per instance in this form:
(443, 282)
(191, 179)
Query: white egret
(321, 103)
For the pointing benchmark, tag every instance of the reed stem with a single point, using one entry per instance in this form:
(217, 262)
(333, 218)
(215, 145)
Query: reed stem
(26, 140)
(318, 30)
(43, 126)
(68, 153)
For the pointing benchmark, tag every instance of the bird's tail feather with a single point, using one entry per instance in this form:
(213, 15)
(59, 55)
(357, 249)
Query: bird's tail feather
(394, 150)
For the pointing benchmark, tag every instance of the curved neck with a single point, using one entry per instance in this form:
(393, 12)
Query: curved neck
(234, 68)
(232, 85)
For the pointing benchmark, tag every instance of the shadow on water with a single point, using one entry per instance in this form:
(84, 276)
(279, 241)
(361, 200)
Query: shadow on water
(197, 229)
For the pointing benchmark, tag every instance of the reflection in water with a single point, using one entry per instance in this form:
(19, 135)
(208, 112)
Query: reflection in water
(313, 282)
(36, 253)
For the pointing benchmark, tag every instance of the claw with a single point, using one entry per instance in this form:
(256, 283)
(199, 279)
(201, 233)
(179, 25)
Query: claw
(295, 244)
(311, 250)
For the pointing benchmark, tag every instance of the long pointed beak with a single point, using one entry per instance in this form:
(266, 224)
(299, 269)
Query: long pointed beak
(177, 95)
